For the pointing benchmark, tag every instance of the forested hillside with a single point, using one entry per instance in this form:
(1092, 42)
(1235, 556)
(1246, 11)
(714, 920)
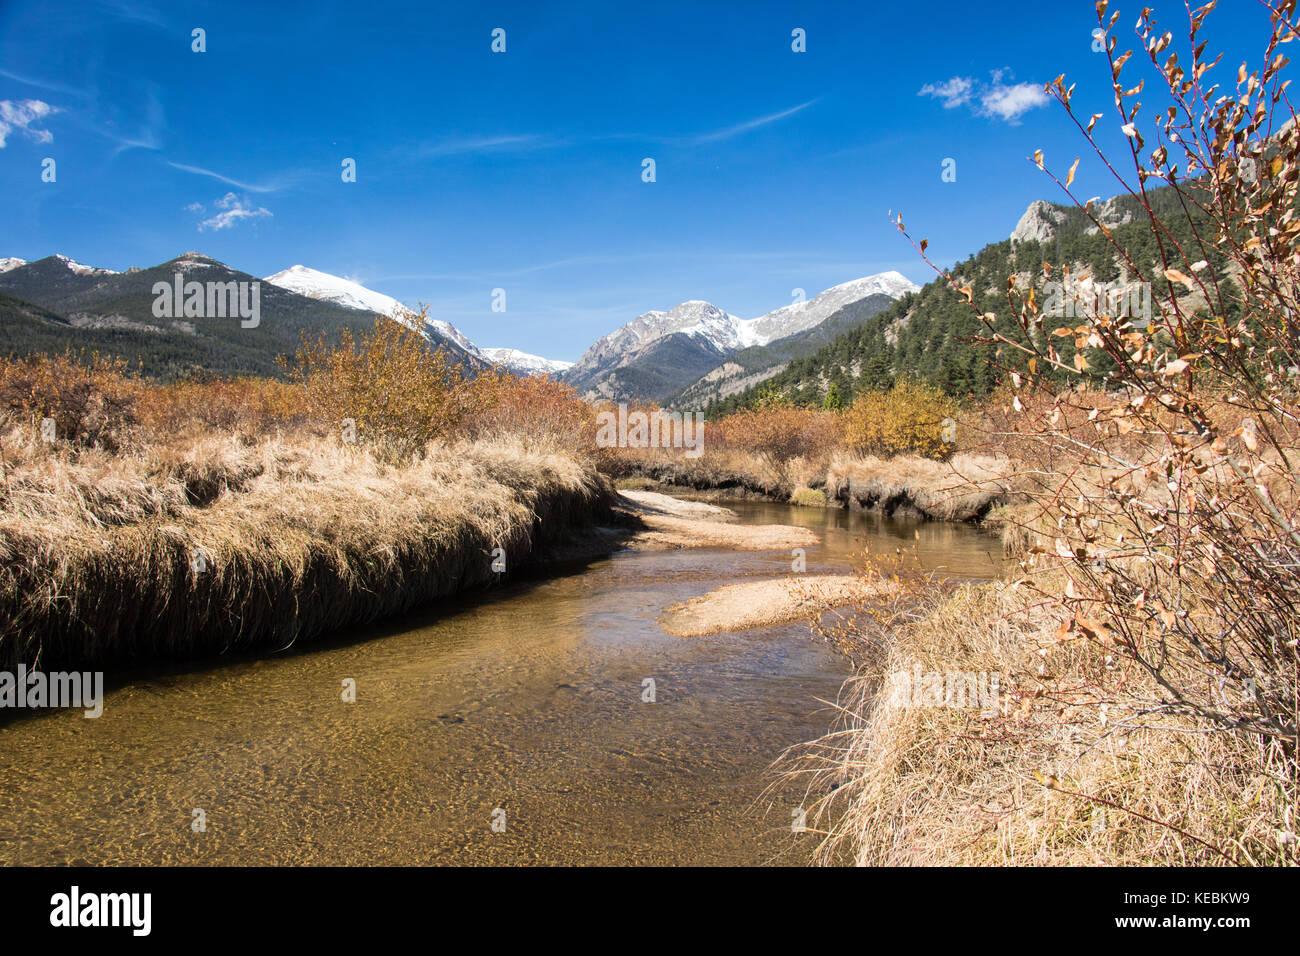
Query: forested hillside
(935, 335)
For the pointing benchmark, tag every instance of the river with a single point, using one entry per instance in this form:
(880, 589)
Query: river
(505, 727)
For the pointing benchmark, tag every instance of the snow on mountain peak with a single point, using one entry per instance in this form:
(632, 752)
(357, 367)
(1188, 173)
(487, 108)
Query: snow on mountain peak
(353, 295)
(523, 362)
(11, 263)
(79, 269)
(808, 313)
(331, 288)
(728, 333)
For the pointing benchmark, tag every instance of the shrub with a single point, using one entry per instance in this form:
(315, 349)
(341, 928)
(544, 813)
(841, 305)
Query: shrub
(92, 400)
(1152, 636)
(400, 394)
(251, 407)
(779, 432)
(537, 409)
(909, 418)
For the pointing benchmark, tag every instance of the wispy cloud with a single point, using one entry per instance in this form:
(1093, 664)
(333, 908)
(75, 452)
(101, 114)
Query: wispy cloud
(43, 84)
(952, 93)
(21, 116)
(246, 187)
(995, 99)
(740, 128)
(586, 262)
(481, 144)
(231, 209)
(130, 121)
(530, 142)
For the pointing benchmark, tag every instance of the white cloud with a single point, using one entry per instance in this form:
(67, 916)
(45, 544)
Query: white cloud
(995, 99)
(953, 92)
(1010, 102)
(20, 115)
(233, 209)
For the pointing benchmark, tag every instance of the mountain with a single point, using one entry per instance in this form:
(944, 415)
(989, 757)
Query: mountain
(522, 363)
(113, 313)
(26, 328)
(657, 353)
(330, 288)
(935, 334)
(660, 354)
(11, 263)
(53, 281)
(801, 316)
(799, 329)
(55, 303)
(352, 295)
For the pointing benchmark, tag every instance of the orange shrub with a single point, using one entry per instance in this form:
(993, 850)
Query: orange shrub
(399, 393)
(93, 401)
(777, 431)
(535, 407)
(251, 406)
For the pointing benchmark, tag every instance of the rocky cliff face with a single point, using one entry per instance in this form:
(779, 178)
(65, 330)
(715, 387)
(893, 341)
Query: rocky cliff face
(1039, 223)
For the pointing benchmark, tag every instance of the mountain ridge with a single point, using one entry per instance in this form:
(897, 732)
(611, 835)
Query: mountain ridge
(659, 354)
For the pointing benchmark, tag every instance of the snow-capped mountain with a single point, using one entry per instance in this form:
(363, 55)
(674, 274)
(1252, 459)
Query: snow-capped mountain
(658, 353)
(81, 270)
(725, 331)
(522, 363)
(695, 317)
(799, 316)
(330, 288)
(353, 295)
(13, 262)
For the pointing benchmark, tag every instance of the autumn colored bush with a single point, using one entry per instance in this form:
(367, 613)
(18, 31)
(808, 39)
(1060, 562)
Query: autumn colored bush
(250, 407)
(91, 399)
(537, 409)
(910, 418)
(387, 384)
(777, 431)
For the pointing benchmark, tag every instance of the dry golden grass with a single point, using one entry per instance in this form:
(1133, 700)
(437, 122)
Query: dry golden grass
(1056, 776)
(961, 489)
(299, 535)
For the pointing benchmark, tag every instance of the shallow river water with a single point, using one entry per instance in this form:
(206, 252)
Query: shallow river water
(520, 707)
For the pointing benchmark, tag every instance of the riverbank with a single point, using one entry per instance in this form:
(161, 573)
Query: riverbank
(1050, 773)
(967, 487)
(214, 545)
(1075, 758)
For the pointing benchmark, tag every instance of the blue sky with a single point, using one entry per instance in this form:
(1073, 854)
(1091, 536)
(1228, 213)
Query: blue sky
(522, 170)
